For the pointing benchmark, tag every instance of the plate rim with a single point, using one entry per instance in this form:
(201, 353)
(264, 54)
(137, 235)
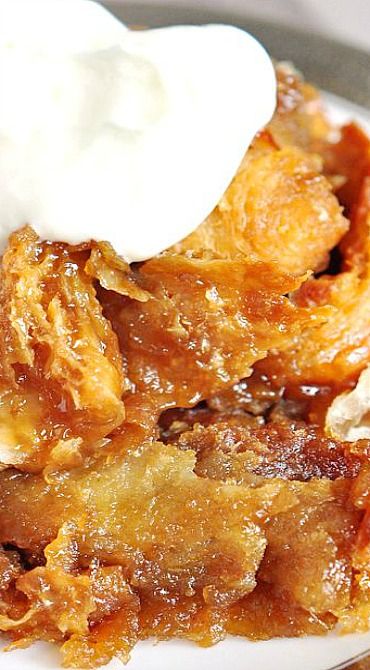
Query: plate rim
(346, 665)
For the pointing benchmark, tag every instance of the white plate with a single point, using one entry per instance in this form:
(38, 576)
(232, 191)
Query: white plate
(311, 653)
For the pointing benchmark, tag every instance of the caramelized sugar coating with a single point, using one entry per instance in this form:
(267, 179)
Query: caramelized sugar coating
(295, 452)
(309, 550)
(205, 325)
(145, 512)
(300, 118)
(278, 208)
(355, 245)
(316, 535)
(61, 369)
(173, 533)
(147, 525)
(356, 617)
(349, 158)
(336, 351)
(255, 395)
(263, 614)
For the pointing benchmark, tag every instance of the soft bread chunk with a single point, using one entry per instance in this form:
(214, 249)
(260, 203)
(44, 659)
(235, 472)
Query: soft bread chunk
(205, 325)
(227, 447)
(348, 417)
(61, 370)
(339, 349)
(278, 208)
(300, 117)
(146, 511)
(308, 555)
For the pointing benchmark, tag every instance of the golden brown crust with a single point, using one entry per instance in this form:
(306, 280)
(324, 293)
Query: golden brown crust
(261, 214)
(338, 350)
(205, 325)
(62, 375)
(179, 539)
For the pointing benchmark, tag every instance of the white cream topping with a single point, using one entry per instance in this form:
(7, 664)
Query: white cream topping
(117, 135)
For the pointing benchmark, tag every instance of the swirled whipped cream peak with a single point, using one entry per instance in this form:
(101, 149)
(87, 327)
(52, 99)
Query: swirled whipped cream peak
(126, 136)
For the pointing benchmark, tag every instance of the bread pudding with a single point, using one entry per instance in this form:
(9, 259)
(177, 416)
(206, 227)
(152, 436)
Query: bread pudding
(176, 449)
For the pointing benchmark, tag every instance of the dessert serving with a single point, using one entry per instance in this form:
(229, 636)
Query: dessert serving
(185, 340)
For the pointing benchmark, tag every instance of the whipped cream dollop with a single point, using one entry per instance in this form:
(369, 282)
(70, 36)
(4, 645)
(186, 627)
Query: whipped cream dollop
(126, 136)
